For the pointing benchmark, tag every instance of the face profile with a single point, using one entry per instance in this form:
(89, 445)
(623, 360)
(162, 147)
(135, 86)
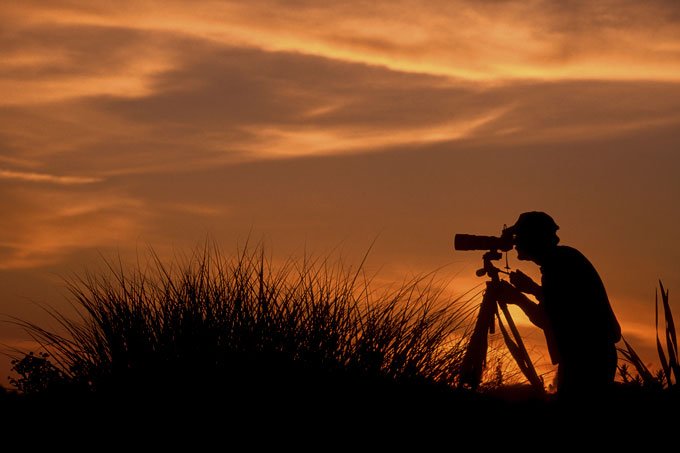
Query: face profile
(525, 247)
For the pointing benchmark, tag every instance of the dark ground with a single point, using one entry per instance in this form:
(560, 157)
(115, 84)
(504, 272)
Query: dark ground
(309, 417)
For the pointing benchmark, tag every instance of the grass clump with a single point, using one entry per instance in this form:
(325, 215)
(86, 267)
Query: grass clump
(244, 328)
(669, 375)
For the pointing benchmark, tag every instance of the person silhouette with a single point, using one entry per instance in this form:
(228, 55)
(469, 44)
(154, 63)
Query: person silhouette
(573, 308)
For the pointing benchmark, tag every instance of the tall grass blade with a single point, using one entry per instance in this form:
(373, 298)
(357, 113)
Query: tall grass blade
(659, 348)
(671, 337)
(630, 355)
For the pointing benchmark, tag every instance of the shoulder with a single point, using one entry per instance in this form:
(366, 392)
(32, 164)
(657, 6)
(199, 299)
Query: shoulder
(564, 252)
(572, 263)
(568, 258)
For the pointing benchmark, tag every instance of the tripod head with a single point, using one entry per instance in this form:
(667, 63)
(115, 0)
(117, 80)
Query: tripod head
(489, 269)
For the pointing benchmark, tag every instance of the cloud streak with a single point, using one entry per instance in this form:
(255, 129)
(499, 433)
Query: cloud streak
(47, 178)
(608, 40)
(224, 106)
(44, 226)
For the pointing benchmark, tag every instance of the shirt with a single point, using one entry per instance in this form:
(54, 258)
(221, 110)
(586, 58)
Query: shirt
(580, 323)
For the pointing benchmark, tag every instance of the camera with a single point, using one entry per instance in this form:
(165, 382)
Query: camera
(503, 243)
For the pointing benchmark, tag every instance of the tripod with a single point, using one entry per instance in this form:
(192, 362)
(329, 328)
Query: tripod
(474, 360)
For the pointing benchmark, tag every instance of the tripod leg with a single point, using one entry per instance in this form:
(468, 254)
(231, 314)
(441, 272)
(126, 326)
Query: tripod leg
(474, 360)
(518, 350)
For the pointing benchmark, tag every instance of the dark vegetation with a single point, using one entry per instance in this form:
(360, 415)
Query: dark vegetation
(250, 340)
(241, 330)
(669, 375)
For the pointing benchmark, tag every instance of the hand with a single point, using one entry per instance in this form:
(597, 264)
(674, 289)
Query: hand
(524, 283)
(507, 293)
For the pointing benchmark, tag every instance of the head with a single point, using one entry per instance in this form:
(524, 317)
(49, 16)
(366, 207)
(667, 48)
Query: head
(534, 235)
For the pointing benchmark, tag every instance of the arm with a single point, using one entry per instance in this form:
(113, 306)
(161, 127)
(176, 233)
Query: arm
(525, 284)
(533, 310)
(509, 294)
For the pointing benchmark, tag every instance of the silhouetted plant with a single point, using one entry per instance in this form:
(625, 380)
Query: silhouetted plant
(624, 372)
(36, 374)
(670, 370)
(208, 322)
(669, 360)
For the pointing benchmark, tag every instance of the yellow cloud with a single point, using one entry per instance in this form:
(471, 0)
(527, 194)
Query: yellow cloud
(47, 178)
(303, 141)
(48, 226)
(469, 40)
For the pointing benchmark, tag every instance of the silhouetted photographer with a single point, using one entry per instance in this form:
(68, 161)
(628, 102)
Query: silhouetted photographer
(573, 309)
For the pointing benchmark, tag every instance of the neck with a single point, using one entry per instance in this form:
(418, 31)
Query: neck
(541, 257)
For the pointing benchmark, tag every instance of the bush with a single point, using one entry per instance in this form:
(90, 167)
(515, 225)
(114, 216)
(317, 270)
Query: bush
(36, 374)
(242, 326)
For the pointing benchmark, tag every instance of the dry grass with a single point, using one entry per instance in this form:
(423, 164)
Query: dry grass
(241, 325)
(670, 370)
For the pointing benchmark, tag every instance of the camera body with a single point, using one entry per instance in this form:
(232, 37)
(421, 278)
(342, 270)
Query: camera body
(502, 243)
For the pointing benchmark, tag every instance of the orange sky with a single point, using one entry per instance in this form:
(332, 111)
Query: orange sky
(318, 126)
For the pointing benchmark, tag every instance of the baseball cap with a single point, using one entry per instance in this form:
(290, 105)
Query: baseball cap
(534, 222)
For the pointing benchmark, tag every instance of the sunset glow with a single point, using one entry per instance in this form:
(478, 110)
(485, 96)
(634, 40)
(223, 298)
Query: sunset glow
(322, 127)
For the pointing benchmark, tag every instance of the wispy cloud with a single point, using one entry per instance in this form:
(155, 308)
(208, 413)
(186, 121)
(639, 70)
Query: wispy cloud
(539, 39)
(47, 178)
(306, 141)
(46, 224)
